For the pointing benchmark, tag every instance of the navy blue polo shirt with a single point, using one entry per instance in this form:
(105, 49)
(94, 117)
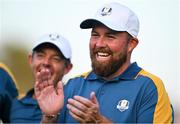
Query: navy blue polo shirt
(25, 110)
(8, 91)
(135, 96)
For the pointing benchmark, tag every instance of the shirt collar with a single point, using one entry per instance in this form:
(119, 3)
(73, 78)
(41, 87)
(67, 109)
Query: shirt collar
(129, 74)
(28, 98)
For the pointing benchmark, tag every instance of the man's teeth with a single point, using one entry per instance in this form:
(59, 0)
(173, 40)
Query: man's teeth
(102, 54)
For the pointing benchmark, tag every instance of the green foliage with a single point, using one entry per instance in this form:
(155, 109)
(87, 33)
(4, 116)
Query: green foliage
(16, 58)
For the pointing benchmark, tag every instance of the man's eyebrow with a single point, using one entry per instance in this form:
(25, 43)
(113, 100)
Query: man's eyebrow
(39, 51)
(114, 32)
(93, 31)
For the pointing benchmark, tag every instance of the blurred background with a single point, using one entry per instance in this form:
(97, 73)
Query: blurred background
(23, 21)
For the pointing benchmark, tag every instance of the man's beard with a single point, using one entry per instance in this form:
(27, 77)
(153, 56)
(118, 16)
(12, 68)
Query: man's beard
(106, 69)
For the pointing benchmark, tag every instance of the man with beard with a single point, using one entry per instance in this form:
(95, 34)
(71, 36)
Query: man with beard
(116, 90)
(51, 55)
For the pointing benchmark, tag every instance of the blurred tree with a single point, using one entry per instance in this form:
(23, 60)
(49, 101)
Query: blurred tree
(17, 60)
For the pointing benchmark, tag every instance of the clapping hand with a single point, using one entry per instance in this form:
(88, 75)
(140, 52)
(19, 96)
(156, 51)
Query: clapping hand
(49, 97)
(86, 110)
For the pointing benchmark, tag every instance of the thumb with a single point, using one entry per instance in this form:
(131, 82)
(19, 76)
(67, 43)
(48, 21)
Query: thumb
(93, 98)
(37, 90)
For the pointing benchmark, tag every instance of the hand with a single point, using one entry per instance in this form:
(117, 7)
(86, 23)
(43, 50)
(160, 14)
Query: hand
(50, 98)
(85, 110)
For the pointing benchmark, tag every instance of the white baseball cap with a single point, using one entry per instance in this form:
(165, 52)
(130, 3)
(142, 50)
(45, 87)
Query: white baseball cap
(59, 41)
(116, 17)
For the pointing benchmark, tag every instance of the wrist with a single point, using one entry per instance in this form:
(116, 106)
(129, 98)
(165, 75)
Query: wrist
(50, 118)
(102, 120)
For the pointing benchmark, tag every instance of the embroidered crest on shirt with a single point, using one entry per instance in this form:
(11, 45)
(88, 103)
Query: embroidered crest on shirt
(123, 105)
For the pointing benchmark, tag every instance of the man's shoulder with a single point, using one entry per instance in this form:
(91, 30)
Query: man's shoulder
(8, 80)
(5, 70)
(154, 79)
(79, 79)
(81, 76)
(149, 75)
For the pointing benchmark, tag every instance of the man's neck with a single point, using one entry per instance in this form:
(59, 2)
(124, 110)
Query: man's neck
(119, 71)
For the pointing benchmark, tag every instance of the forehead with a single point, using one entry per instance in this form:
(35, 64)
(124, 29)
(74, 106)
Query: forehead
(105, 29)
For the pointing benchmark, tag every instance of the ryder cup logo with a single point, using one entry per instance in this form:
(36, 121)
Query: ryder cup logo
(106, 11)
(53, 37)
(123, 105)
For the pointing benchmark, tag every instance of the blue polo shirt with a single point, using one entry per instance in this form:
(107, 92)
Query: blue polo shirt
(8, 91)
(25, 110)
(135, 96)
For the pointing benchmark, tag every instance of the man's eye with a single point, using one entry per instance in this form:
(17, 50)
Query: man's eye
(94, 34)
(40, 55)
(111, 36)
(57, 59)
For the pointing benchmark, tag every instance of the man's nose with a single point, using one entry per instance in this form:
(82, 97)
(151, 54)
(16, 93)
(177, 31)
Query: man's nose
(46, 62)
(101, 42)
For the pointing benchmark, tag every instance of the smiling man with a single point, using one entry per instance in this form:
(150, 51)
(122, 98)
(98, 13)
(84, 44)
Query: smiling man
(51, 56)
(116, 90)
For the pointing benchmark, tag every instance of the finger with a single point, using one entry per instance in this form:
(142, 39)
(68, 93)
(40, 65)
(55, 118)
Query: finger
(36, 89)
(49, 77)
(37, 83)
(45, 84)
(93, 98)
(45, 74)
(76, 117)
(83, 100)
(38, 78)
(40, 83)
(59, 88)
(77, 104)
(43, 94)
(75, 111)
(81, 116)
(45, 78)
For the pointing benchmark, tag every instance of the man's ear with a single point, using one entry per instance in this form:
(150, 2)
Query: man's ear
(30, 59)
(68, 68)
(132, 44)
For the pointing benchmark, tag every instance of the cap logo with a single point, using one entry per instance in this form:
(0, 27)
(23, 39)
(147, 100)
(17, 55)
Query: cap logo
(53, 37)
(106, 11)
(123, 105)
